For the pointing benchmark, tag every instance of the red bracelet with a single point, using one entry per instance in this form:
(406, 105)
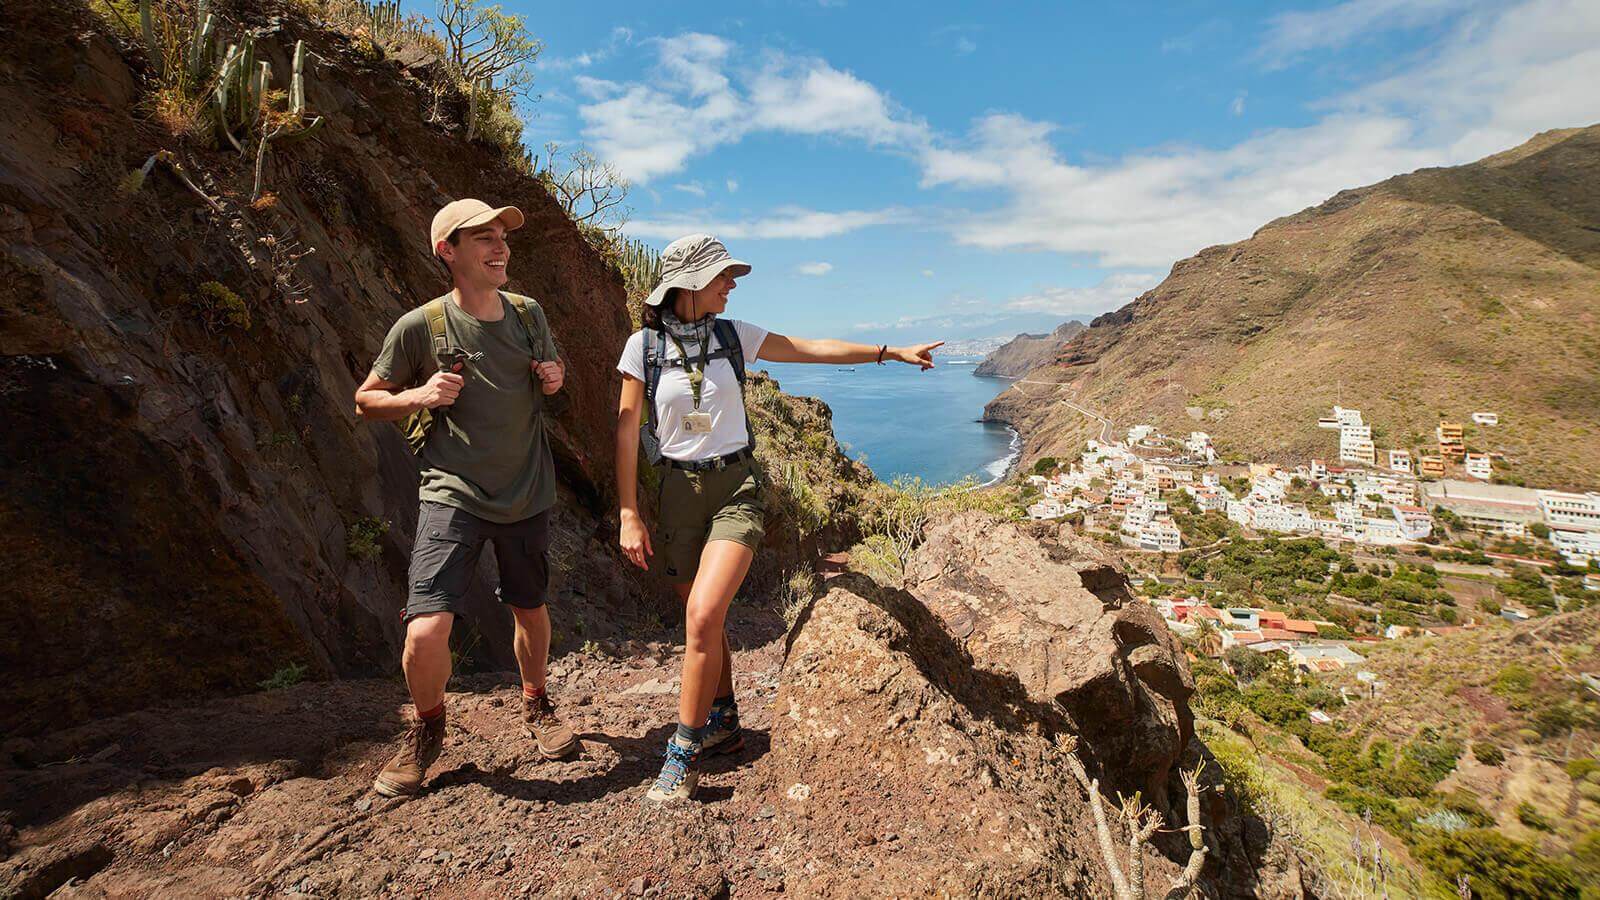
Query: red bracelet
(881, 351)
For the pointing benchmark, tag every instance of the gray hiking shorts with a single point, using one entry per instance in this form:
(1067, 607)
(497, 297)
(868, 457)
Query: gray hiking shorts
(445, 556)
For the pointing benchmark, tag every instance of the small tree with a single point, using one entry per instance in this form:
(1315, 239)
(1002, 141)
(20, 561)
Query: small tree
(589, 190)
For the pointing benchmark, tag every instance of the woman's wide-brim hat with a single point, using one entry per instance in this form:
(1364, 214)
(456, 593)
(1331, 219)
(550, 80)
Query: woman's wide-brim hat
(691, 262)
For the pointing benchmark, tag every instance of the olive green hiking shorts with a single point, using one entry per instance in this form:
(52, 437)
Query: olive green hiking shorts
(699, 507)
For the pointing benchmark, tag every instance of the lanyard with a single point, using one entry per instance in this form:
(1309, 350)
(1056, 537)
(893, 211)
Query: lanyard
(696, 377)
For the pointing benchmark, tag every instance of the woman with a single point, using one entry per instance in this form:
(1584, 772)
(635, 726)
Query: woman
(690, 364)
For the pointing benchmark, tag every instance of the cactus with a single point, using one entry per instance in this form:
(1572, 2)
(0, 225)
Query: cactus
(292, 126)
(147, 30)
(201, 48)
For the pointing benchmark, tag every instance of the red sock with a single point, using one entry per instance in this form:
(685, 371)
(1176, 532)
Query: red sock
(428, 715)
(531, 692)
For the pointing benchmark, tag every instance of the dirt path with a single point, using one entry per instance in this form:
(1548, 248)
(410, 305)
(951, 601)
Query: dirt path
(270, 793)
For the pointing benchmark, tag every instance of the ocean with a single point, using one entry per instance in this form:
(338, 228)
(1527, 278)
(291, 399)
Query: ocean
(905, 422)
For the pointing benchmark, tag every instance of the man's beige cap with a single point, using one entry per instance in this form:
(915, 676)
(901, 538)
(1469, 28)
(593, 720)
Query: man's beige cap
(470, 213)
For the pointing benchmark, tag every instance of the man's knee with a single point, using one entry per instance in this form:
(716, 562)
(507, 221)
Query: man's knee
(428, 633)
(536, 618)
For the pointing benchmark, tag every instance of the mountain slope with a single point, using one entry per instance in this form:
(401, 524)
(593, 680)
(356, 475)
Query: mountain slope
(1027, 352)
(1433, 294)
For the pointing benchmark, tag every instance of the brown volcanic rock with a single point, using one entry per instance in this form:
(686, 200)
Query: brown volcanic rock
(1437, 293)
(930, 716)
(181, 493)
(1061, 621)
(1026, 352)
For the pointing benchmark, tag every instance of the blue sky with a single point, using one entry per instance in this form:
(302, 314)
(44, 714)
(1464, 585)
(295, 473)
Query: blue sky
(902, 170)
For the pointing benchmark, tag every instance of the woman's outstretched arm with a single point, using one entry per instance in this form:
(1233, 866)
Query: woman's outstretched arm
(635, 535)
(782, 348)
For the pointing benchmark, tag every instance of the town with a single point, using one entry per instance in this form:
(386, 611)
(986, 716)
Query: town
(1154, 496)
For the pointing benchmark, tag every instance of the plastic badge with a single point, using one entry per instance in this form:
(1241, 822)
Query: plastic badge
(697, 423)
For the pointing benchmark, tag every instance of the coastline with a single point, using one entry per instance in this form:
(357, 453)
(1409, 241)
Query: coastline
(1008, 463)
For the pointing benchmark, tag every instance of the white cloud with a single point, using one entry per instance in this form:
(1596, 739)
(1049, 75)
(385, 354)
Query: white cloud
(814, 269)
(691, 187)
(1494, 81)
(793, 223)
(965, 46)
(733, 185)
(1237, 106)
(1294, 33)
(1080, 302)
(927, 273)
(697, 100)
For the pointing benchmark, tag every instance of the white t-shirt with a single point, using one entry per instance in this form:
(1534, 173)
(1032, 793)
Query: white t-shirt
(719, 395)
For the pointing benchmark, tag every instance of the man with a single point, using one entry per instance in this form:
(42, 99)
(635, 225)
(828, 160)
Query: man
(467, 364)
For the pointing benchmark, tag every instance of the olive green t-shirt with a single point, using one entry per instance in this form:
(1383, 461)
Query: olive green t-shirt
(489, 456)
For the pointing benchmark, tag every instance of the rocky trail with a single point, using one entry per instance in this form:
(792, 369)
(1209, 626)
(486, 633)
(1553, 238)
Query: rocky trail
(899, 742)
(271, 792)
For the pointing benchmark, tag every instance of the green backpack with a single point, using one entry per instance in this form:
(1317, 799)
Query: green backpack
(417, 426)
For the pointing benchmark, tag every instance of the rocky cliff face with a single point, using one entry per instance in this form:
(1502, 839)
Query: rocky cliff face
(901, 742)
(193, 504)
(1433, 294)
(1026, 352)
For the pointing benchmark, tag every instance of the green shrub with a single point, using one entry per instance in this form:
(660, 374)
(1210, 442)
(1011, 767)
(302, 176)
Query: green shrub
(1530, 816)
(219, 308)
(287, 676)
(1579, 769)
(1498, 868)
(1487, 753)
(364, 537)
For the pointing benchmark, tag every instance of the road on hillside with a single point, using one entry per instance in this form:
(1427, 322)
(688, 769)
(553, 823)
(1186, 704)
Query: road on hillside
(1107, 432)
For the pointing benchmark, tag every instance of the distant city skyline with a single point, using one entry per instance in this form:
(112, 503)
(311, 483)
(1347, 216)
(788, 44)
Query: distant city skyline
(897, 171)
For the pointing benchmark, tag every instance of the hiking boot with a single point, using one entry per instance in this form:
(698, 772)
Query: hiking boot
(403, 776)
(680, 773)
(552, 735)
(722, 734)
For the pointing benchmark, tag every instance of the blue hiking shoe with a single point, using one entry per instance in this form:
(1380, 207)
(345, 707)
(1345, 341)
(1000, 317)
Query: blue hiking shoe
(723, 734)
(680, 773)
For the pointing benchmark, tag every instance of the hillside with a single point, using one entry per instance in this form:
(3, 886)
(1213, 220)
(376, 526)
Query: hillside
(962, 694)
(1438, 293)
(194, 506)
(1026, 352)
(1472, 753)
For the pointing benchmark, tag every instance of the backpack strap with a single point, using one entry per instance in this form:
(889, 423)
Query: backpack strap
(731, 349)
(524, 308)
(728, 337)
(434, 313)
(655, 358)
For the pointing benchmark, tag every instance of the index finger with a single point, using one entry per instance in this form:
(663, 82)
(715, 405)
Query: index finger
(934, 346)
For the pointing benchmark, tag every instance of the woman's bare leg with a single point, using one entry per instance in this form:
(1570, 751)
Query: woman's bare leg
(706, 666)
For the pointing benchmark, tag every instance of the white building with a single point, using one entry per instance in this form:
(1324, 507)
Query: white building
(1400, 461)
(1048, 508)
(1486, 418)
(1139, 432)
(1573, 512)
(1578, 547)
(1199, 444)
(1355, 444)
(1381, 531)
(1493, 508)
(1210, 500)
(1319, 470)
(1161, 534)
(1414, 521)
(1478, 466)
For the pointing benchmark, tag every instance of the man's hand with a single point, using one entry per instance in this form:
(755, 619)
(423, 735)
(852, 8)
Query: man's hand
(918, 355)
(441, 390)
(551, 375)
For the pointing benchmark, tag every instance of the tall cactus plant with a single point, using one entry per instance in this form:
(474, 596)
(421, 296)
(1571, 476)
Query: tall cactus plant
(290, 125)
(147, 31)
